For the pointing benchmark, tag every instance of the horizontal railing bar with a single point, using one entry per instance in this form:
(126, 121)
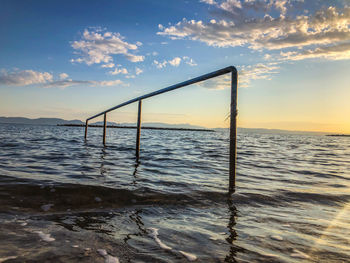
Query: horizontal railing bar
(170, 88)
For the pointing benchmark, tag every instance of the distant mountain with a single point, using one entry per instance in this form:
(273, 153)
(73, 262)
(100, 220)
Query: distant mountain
(39, 121)
(101, 123)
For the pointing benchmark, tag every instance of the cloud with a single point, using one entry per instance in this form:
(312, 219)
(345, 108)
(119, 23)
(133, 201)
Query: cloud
(63, 76)
(245, 75)
(335, 52)
(175, 62)
(70, 83)
(119, 71)
(189, 61)
(46, 80)
(209, 2)
(259, 71)
(66, 83)
(97, 47)
(116, 82)
(24, 77)
(160, 64)
(138, 71)
(109, 65)
(265, 25)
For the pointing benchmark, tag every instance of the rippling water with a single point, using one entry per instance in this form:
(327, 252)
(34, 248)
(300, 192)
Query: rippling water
(63, 199)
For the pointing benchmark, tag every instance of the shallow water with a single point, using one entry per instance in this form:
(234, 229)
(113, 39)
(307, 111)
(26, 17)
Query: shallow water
(62, 199)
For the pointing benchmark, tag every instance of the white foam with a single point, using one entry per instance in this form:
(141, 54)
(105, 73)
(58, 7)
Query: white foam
(45, 237)
(154, 234)
(24, 224)
(7, 258)
(278, 238)
(189, 256)
(46, 207)
(298, 254)
(108, 258)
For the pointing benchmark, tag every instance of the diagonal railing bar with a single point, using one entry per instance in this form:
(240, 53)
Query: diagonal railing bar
(233, 115)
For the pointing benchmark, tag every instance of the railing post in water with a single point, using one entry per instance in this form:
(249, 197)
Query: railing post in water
(104, 128)
(233, 131)
(86, 127)
(138, 131)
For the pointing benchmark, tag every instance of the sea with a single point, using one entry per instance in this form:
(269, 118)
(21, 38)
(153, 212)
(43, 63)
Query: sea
(64, 199)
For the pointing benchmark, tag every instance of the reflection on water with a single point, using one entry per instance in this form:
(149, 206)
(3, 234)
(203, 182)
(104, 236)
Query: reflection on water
(171, 205)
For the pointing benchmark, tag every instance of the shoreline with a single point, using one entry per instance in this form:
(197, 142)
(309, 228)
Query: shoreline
(134, 127)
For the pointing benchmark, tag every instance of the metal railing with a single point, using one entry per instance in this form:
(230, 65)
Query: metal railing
(233, 115)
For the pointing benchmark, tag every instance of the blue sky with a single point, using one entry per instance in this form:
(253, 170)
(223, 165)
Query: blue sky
(72, 59)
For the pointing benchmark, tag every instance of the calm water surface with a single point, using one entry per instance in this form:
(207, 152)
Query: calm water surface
(66, 200)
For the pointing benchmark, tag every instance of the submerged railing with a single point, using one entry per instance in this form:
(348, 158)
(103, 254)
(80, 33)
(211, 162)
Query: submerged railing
(233, 115)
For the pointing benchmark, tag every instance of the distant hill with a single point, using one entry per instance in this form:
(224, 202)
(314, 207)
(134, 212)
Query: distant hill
(55, 121)
(165, 125)
(39, 121)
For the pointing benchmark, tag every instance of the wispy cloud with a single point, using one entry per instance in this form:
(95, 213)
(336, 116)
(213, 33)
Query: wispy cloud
(63, 76)
(334, 52)
(117, 71)
(99, 46)
(254, 24)
(175, 62)
(138, 71)
(24, 77)
(245, 75)
(46, 80)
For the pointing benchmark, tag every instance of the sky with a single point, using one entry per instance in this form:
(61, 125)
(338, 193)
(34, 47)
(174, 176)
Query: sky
(73, 59)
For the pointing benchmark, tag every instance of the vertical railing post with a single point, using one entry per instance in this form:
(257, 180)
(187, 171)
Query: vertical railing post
(104, 128)
(86, 127)
(233, 131)
(138, 130)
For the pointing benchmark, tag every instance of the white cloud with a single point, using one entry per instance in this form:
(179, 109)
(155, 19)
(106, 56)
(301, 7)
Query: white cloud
(335, 52)
(266, 25)
(160, 64)
(189, 61)
(209, 2)
(245, 75)
(70, 83)
(119, 71)
(46, 80)
(24, 77)
(63, 76)
(259, 71)
(175, 62)
(65, 83)
(109, 65)
(138, 71)
(116, 82)
(97, 47)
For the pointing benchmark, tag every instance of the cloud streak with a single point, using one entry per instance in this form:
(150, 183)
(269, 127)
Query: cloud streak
(46, 80)
(246, 75)
(24, 77)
